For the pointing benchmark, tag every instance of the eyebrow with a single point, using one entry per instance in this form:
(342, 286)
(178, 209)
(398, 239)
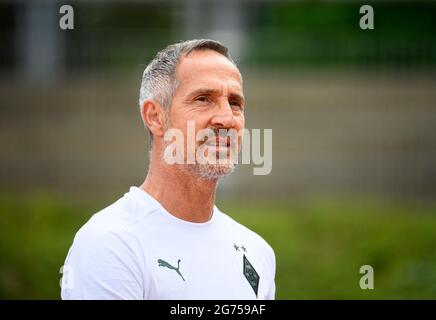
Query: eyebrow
(208, 91)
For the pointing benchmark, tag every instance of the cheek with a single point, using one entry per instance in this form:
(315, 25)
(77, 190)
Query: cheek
(201, 121)
(181, 117)
(239, 122)
(178, 120)
(190, 125)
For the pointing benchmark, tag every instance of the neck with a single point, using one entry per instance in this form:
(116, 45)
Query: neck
(183, 195)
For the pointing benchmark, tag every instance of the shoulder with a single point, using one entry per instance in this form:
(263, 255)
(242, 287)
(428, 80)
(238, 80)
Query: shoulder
(249, 235)
(103, 253)
(113, 226)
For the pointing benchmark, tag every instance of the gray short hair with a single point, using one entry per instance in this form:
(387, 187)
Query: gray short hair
(159, 81)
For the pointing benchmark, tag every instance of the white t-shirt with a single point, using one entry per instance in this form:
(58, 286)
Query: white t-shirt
(135, 249)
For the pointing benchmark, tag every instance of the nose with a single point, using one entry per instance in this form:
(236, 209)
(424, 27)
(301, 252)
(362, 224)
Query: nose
(224, 117)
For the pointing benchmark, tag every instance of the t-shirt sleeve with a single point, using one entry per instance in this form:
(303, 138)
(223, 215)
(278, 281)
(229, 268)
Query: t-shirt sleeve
(271, 292)
(101, 266)
(272, 288)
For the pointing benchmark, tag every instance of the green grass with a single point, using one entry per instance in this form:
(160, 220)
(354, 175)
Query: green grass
(319, 245)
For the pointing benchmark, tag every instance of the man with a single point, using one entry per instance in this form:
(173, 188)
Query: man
(167, 239)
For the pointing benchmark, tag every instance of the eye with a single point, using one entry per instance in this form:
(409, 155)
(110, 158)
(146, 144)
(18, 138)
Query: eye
(236, 104)
(202, 99)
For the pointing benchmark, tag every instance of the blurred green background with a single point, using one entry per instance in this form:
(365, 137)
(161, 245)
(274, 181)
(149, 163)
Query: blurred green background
(353, 114)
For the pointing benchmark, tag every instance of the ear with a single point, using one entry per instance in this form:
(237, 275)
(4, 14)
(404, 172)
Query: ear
(153, 116)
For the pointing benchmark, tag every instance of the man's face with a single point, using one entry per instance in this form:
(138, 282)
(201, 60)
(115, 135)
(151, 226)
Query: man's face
(209, 94)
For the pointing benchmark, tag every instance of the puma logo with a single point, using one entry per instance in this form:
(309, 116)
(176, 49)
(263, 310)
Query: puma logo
(163, 263)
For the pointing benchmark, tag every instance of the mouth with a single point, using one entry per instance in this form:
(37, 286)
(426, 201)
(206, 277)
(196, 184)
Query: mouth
(219, 143)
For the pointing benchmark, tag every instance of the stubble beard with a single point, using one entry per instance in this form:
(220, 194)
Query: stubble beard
(210, 171)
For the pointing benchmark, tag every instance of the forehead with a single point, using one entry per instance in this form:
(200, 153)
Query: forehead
(207, 68)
